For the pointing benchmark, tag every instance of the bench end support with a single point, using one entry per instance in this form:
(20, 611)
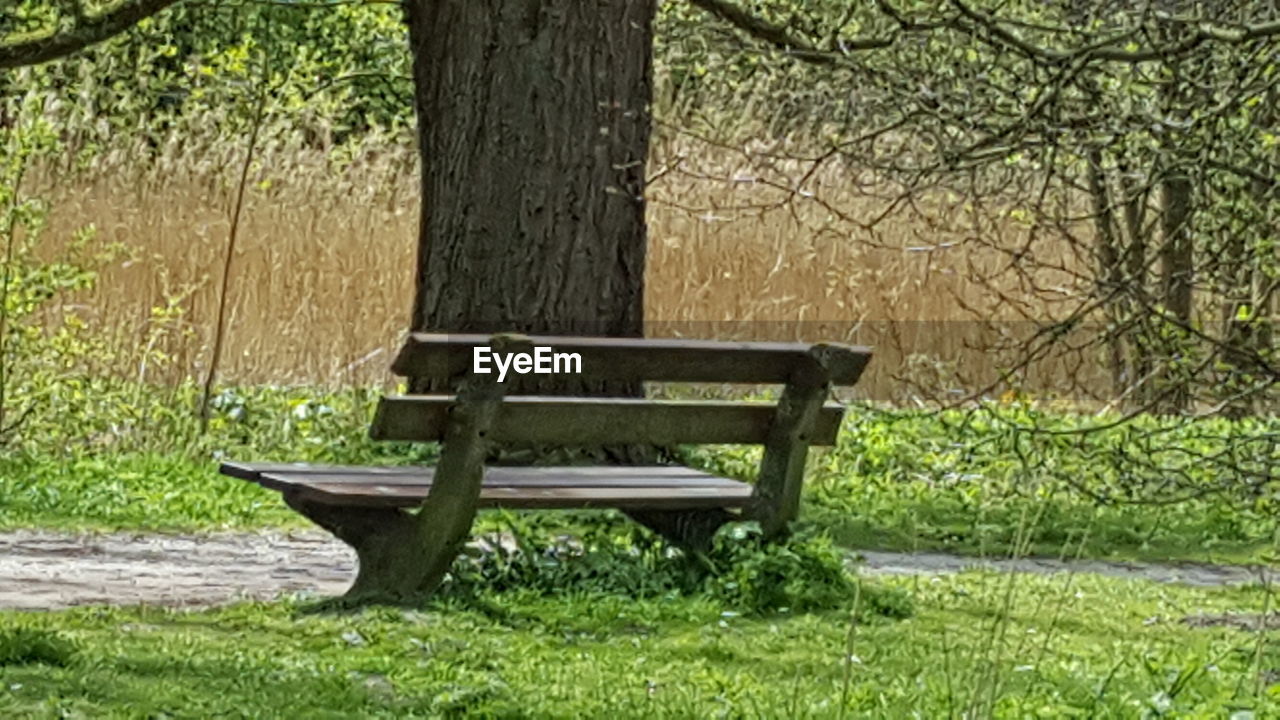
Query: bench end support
(777, 500)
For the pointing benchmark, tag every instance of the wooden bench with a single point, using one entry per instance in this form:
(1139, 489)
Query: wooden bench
(403, 554)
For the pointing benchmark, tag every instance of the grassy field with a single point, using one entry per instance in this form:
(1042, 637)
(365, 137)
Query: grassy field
(622, 631)
(978, 646)
(627, 632)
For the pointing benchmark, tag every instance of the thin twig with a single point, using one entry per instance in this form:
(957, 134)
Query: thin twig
(219, 334)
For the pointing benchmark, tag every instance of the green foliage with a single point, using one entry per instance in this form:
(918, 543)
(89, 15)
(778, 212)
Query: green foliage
(21, 644)
(40, 343)
(1002, 479)
(118, 455)
(191, 77)
(542, 555)
(802, 574)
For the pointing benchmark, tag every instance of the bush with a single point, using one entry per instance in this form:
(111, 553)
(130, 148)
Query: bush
(41, 344)
(805, 573)
(800, 574)
(29, 646)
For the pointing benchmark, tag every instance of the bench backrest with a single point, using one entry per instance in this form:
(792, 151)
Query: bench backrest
(641, 359)
(559, 420)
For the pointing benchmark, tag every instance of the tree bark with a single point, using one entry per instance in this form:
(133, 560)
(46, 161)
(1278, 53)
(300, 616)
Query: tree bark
(1110, 272)
(533, 129)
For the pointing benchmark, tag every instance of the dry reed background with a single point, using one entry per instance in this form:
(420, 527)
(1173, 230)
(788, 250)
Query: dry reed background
(322, 279)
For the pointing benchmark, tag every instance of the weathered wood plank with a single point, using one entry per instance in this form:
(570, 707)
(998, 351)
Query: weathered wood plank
(599, 421)
(450, 503)
(251, 470)
(565, 497)
(498, 473)
(640, 359)
(513, 477)
(787, 447)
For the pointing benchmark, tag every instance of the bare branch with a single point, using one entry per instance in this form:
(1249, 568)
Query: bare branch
(1108, 49)
(88, 30)
(778, 36)
(984, 27)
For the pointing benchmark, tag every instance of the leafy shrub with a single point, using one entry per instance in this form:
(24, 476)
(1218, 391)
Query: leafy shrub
(805, 573)
(41, 345)
(985, 477)
(28, 646)
(535, 553)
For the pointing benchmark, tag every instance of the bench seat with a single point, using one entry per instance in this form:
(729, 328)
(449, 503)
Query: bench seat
(407, 524)
(657, 487)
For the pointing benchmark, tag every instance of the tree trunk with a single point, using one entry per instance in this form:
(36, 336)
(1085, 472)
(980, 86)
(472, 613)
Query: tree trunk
(1177, 265)
(1109, 275)
(533, 132)
(1177, 249)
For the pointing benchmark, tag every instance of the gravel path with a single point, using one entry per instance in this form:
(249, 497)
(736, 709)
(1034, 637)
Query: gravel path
(1198, 574)
(47, 570)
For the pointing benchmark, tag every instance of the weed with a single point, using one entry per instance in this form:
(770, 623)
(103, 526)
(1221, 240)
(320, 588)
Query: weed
(23, 645)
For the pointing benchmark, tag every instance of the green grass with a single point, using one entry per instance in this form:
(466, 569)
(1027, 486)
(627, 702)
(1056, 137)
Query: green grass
(144, 491)
(1003, 646)
(983, 482)
(908, 480)
(624, 631)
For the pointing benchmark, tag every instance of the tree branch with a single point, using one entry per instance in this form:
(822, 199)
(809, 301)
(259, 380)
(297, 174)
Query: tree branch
(984, 27)
(777, 36)
(88, 30)
(1107, 50)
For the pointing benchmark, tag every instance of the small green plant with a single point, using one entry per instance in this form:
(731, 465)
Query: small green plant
(612, 556)
(803, 573)
(40, 343)
(22, 645)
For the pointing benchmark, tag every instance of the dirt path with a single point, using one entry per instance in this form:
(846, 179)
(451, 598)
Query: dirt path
(1198, 574)
(45, 570)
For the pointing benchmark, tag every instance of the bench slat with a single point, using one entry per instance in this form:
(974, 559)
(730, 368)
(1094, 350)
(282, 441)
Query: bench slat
(598, 421)
(251, 471)
(445, 356)
(508, 477)
(535, 498)
(604, 476)
(543, 492)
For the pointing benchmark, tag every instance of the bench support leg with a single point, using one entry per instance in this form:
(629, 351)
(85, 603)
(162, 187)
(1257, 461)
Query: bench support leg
(777, 500)
(404, 556)
(387, 544)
